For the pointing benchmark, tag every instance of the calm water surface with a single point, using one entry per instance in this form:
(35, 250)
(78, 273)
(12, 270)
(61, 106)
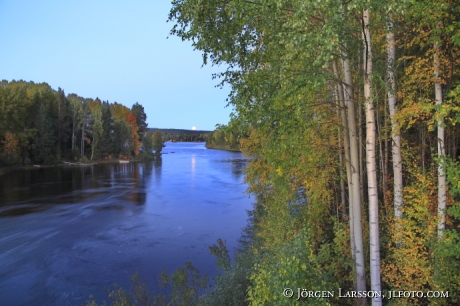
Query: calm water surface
(68, 232)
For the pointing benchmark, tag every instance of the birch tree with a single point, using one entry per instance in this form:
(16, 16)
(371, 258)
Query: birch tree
(370, 162)
(395, 130)
(440, 141)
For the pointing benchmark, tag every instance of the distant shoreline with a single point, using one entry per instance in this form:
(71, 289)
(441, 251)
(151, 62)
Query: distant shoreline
(224, 148)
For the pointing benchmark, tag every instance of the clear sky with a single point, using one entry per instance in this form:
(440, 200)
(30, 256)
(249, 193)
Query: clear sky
(116, 51)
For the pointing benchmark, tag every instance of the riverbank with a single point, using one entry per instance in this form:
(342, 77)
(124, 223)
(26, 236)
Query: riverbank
(68, 163)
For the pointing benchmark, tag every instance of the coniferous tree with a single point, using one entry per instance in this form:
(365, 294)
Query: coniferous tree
(141, 119)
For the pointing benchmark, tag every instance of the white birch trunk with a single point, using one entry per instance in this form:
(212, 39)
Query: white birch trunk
(355, 202)
(339, 142)
(371, 163)
(395, 133)
(346, 145)
(441, 152)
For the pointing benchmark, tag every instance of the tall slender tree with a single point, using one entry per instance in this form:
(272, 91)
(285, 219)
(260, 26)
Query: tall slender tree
(395, 130)
(141, 119)
(442, 193)
(371, 166)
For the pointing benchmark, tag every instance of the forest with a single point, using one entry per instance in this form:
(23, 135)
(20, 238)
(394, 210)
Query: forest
(40, 125)
(224, 138)
(176, 135)
(351, 111)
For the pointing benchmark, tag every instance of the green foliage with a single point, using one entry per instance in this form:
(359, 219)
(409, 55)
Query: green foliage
(279, 56)
(121, 144)
(223, 138)
(230, 287)
(147, 144)
(184, 287)
(180, 135)
(447, 250)
(221, 252)
(290, 265)
(97, 125)
(106, 146)
(44, 139)
(141, 119)
(157, 142)
(47, 125)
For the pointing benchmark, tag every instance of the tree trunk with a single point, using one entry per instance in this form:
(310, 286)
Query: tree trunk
(73, 136)
(371, 163)
(385, 156)
(82, 138)
(342, 184)
(346, 144)
(379, 137)
(360, 144)
(441, 153)
(355, 202)
(395, 133)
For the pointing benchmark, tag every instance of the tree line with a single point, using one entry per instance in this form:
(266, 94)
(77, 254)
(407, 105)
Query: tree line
(223, 138)
(180, 135)
(41, 125)
(351, 111)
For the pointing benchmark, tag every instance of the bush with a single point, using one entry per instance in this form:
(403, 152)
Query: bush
(182, 288)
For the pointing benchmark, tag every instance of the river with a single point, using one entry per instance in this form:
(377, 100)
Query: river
(68, 232)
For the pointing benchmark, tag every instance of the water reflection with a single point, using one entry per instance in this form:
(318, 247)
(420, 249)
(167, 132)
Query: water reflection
(158, 163)
(238, 167)
(32, 190)
(193, 163)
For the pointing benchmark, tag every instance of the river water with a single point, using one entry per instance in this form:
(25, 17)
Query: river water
(68, 232)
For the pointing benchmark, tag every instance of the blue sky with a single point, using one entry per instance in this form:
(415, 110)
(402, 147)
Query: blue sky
(116, 51)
